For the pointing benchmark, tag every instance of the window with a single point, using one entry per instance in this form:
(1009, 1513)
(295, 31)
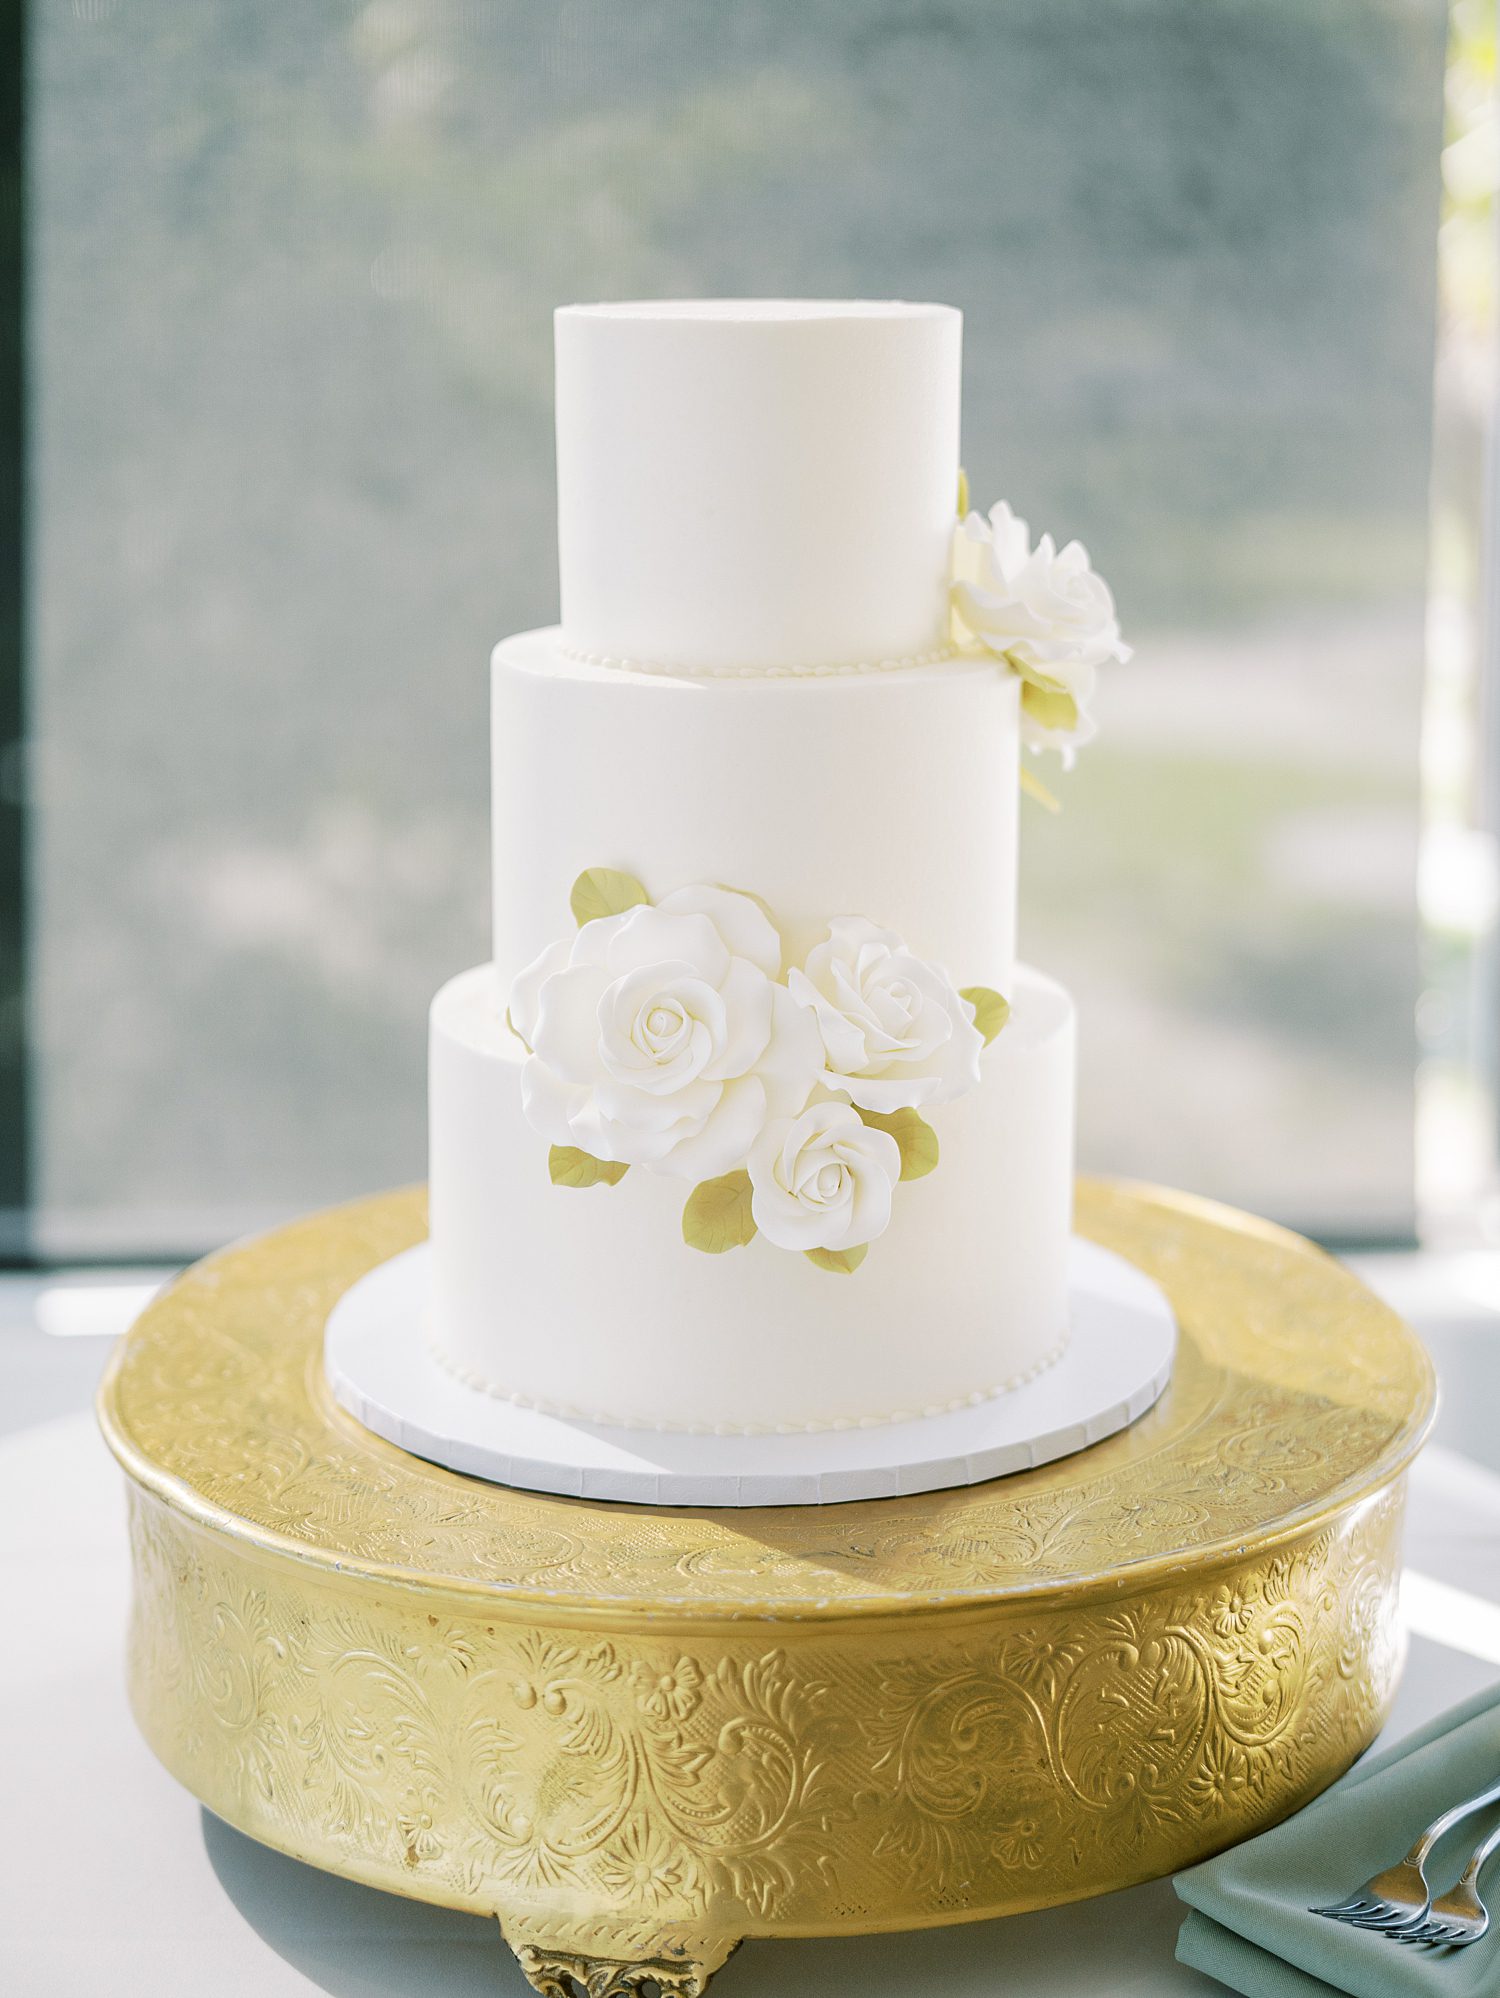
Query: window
(291, 276)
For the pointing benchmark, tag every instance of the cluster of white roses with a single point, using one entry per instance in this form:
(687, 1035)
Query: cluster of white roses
(666, 1037)
(1045, 613)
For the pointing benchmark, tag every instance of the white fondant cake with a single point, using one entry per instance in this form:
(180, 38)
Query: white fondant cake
(754, 1122)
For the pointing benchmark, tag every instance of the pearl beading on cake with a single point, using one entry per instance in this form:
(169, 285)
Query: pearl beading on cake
(572, 1412)
(938, 655)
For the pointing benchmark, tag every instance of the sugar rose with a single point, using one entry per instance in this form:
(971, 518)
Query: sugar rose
(659, 1037)
(823, 1180)
(895, 1033)
(1045, 612)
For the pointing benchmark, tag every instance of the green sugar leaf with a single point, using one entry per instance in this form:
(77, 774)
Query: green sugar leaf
(604, 891)
(717, 1215)
(517, 1031)
(571, 1167)
(1049, 706)
(990, 1011)
(1036, 790)
(915, 1138)
(843, 1262)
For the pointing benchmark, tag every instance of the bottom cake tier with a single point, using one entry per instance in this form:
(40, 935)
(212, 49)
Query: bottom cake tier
(586, 1301)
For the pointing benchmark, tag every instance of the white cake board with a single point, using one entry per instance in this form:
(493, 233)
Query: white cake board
(1117, 1362)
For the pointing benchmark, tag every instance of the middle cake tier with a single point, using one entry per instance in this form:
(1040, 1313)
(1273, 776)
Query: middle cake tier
(586, 1301)
(888, 793)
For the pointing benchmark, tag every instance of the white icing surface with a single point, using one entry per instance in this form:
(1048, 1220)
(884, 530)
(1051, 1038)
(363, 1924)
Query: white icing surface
(590, 1299)
(756, 483)
(892, 795)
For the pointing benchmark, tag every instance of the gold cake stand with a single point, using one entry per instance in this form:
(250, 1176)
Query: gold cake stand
(640, 1735)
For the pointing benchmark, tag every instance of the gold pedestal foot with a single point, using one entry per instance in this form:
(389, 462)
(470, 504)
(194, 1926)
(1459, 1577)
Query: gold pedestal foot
(616, 1965)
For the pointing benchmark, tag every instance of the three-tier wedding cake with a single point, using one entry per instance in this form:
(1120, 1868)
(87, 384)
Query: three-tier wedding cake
(755, 1121)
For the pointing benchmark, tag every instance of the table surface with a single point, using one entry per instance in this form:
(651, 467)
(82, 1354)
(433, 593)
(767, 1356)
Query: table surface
(113, 1880)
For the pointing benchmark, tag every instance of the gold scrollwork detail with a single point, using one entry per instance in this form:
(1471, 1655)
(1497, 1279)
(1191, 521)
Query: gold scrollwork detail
(754, 1782)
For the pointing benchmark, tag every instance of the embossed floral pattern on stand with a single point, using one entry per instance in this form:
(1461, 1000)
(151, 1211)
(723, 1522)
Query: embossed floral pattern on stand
(757, 1779)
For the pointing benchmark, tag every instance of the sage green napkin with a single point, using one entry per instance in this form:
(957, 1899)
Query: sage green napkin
(1250, 1924)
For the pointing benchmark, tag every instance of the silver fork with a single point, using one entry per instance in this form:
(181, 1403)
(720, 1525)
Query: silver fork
(1400, 1898)
(1458, 1917)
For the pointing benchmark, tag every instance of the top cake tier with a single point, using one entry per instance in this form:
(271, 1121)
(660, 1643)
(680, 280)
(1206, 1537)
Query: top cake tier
(820, 533)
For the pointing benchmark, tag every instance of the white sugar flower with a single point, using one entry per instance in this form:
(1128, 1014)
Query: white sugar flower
(895, 1032)
(1045, 612)
(659, 1036)
(823, 1180)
